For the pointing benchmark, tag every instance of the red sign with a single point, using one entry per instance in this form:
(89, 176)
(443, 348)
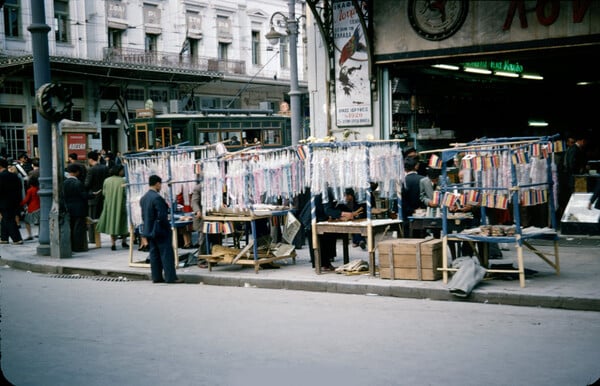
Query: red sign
(77, 143)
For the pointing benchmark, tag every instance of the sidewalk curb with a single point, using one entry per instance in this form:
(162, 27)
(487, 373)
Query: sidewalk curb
(66, 270)
(477, 296)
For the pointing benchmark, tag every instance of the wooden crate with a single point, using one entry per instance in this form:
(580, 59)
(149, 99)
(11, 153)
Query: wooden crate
(411, 259)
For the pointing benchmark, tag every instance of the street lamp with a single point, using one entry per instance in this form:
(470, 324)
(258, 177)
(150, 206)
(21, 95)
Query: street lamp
(273, 38)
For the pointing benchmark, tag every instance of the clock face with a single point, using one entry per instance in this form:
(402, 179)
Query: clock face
(437, 19)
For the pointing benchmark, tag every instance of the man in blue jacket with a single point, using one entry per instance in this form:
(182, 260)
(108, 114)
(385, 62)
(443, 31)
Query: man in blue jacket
(157, 229)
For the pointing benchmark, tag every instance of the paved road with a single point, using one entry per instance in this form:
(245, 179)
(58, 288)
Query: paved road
(63, 331)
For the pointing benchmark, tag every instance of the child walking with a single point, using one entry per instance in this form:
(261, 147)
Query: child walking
(32, 201)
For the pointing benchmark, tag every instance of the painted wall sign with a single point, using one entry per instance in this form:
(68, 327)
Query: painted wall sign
(433, 28)
(353, 87)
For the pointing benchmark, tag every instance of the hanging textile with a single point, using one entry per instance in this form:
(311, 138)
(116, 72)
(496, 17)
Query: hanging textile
(337, 166)
(176, 166)
(252, 178)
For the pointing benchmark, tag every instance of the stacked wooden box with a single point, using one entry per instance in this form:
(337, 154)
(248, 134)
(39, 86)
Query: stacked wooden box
(411, 259)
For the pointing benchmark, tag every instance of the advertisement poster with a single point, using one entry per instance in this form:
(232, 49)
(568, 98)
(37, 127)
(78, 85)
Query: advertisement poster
(76, 143)
(353, 88)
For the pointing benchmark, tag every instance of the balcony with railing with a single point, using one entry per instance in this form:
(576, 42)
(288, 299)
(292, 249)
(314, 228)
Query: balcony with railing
(171, 60)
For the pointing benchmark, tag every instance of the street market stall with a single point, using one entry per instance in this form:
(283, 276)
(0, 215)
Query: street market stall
(259, 185)
(253, 253)
(178, 168)
(336, 166)
(503, 172)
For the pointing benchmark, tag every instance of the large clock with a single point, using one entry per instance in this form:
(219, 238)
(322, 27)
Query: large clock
(437, 19)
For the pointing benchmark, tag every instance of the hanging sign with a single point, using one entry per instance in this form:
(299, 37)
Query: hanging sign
(77, 143)
(352, 83)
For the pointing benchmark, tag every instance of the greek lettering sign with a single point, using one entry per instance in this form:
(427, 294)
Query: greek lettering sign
(77, 143)
(353, 86)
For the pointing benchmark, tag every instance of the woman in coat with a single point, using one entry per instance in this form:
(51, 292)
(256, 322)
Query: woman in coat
(113, 219)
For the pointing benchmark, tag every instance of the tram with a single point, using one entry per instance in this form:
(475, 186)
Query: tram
(235, 128)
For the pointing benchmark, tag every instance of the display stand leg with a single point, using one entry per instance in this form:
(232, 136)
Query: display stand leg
(371, 249)
(175, 246)
(521, 265)
(207, 243)
(554, 264)
(131, 237)
(445, 259)
(315, 239)
(255, 246)
(317, 254)
(556, 258)
(486, 254)
(346, 251)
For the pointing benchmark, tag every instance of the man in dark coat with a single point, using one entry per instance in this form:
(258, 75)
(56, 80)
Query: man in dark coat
(157, 230)
(94, 180)
(411, 191)
(575, 161)
(76, 202)
(72, 159)
(10, 199)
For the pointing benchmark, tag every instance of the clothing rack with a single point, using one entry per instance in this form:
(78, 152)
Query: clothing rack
(251, 177)
(341, 165)
(524, 152)
(176, 166)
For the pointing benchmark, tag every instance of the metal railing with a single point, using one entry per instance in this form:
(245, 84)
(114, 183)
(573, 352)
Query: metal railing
(170, 60)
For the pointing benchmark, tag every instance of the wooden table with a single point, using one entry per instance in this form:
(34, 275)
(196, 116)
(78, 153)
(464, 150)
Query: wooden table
(367, 228)
(178, 223)
(256, 261)
(518, 240)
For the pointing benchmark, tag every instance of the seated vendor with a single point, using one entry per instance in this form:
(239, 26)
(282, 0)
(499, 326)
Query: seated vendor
(327, 242)
(358, 211)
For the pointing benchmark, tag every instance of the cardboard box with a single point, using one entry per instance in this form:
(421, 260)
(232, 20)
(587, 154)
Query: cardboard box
(411, 259)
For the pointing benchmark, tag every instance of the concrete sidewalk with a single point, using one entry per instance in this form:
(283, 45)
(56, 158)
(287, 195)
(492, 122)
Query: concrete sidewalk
(576, 288)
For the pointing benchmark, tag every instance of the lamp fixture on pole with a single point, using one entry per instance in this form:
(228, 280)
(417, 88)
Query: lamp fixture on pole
(273, 37)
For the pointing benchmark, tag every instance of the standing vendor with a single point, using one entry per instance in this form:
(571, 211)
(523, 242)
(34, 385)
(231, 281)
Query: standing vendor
(575, 161)
(595, 198)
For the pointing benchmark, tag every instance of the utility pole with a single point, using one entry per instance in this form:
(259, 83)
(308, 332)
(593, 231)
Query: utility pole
(295, 94)
(41, 75)
(291, 25)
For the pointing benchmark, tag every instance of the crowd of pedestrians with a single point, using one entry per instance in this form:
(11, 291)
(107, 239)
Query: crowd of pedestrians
(19, 201)
(83, 194)
(94, 198)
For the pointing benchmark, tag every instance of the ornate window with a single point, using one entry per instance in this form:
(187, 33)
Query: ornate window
(61, 20)
(256, 48)
(12, 11)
